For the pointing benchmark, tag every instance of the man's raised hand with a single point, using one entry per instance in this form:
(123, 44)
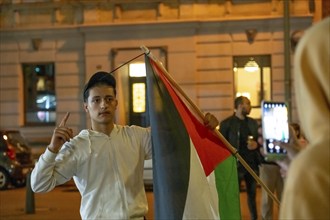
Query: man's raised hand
(61, 135)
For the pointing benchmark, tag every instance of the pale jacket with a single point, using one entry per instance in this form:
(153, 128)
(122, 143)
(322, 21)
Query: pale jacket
(107, 170)
(307, 190)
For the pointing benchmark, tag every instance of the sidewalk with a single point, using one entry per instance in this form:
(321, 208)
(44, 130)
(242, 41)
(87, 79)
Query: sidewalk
(62, 203)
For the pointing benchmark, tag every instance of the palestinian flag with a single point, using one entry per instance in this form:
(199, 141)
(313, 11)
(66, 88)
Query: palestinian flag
(195, 175)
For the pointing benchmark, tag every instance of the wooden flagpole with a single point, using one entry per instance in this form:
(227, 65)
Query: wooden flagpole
(233, 150)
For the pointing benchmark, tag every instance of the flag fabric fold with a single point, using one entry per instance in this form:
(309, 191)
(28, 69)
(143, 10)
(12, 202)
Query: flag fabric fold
(195, 175)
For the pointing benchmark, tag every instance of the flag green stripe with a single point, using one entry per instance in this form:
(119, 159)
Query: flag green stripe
(228, 189)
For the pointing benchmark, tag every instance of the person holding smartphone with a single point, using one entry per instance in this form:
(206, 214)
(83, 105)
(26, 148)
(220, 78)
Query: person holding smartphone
(307, 187)
(241, 132)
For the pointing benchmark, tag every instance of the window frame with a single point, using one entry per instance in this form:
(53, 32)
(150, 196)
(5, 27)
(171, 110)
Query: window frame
(31, 93)
(263, 61)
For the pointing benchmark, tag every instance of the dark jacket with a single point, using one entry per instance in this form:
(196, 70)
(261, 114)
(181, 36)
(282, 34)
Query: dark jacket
(230, 127)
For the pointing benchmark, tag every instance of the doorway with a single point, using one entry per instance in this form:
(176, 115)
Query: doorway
(131, 84)
(252, 78)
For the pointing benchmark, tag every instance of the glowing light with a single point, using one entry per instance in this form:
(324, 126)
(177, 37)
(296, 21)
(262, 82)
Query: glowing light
(137, 70)
(251, 66)
(139, 97)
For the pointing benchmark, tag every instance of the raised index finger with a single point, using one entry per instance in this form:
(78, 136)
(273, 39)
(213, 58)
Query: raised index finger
(63, 122)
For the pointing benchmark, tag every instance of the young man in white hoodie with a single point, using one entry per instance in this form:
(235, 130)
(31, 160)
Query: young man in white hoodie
(105, 161)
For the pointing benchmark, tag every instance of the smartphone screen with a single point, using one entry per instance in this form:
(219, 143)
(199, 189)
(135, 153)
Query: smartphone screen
(274, 128)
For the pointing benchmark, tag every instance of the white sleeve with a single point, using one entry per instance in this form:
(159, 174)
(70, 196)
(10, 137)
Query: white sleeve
(50, 171)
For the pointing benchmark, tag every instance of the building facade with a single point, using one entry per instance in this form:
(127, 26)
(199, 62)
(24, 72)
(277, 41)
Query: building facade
(196, 39)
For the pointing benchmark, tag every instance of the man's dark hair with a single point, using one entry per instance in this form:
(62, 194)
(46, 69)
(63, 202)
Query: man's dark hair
(238, 101)
(99, 78)
(294, 39)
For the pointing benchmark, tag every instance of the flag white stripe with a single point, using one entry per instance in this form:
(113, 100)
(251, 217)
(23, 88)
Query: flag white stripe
(202, 197)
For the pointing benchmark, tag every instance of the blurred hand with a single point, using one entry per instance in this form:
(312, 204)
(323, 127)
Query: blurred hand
(252, 144)
(210, 121)
(292, 147)
(61, 135)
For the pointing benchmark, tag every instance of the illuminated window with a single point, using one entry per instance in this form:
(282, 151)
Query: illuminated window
(252, 75)
(39, 94)
(133, 88)
(137, 89)
(139, 97)
(137, 70)
(137, 73)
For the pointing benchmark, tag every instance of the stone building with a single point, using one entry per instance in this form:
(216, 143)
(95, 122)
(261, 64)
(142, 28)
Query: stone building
(49, 48)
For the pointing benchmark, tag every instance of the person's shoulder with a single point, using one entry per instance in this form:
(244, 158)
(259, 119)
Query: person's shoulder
(78, 143)
(228, 119)
(132, 129)
(83, 135)
(309, 168)
(321, 26)
(314, 158)
(252, 120)
(318, 34)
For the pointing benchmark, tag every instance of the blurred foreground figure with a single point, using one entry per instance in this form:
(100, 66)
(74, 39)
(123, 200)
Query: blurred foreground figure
(307, 190)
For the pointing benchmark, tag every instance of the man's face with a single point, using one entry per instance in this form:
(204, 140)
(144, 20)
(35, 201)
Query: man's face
(101, 105)
(246, 107)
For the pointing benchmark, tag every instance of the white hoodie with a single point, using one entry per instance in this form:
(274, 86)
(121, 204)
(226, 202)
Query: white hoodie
(107, 170)
(307, 190)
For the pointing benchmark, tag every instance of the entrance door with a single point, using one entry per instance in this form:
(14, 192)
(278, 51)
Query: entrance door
(131, 84)
(252, 76)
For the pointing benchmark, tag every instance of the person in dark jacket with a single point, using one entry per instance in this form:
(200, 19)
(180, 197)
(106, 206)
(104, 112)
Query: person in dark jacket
(241, 132)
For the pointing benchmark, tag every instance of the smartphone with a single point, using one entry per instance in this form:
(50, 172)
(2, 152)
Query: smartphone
(275, 127)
